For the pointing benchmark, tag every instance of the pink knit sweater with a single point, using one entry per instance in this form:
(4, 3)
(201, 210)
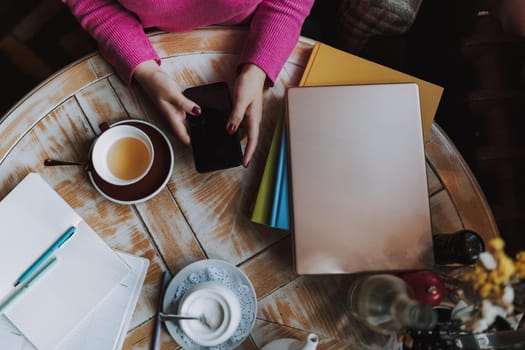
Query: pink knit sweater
(118, 27)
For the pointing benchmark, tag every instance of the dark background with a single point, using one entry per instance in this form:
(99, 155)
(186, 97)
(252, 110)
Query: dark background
(452, 43)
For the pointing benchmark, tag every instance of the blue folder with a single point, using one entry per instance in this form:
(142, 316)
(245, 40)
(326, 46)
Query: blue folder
(280, 214)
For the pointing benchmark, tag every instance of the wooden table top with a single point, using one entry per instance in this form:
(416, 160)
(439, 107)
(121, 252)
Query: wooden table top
(199, 216)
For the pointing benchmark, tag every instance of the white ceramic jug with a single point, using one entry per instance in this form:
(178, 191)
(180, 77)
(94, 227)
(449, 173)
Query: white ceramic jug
(293, 344)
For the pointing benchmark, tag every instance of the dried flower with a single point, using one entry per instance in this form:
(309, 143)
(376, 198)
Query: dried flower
(520, 265)
(494, 271)
(494, 280)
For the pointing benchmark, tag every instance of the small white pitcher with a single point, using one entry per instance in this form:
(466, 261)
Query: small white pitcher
(293, 344)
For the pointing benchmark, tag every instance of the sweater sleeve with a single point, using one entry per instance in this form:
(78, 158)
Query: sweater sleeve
(118, 32)
(274, 30)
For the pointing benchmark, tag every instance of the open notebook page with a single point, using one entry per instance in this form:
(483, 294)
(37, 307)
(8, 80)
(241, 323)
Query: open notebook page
(86, 272)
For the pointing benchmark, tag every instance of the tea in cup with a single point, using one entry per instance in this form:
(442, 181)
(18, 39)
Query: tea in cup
(122, 155)
(220, 309)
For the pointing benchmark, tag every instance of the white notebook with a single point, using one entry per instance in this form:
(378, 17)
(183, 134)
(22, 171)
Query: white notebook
(358, 179)
(106, 327)
(32, 217)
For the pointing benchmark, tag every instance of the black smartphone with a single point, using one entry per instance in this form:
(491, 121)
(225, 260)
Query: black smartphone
(213, 148)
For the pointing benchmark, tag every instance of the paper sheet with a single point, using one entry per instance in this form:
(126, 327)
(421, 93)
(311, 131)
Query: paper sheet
(105, 328)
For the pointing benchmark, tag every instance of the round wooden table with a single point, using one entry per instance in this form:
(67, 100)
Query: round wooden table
(199, 216)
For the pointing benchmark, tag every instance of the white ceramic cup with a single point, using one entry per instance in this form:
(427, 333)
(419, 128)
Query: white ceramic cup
(219, 305)
(122, 155)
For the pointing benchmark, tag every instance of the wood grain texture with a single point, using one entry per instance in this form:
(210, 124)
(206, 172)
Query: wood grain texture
(465, 192)
(271, 269)
(199, 216)
(140, 338)
(265, 331)
(434, 185)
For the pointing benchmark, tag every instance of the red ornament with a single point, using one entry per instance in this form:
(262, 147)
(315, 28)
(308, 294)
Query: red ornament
(427, 287)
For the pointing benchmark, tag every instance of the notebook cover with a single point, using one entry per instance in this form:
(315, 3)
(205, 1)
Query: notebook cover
(358, 181)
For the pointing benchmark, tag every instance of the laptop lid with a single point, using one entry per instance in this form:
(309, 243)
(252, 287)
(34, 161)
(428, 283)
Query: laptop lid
(358, 182)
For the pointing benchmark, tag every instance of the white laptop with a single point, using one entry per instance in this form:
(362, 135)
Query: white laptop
(358, 184)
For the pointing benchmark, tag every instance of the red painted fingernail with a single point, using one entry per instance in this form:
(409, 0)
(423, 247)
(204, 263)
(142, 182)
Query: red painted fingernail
(196, 110)
(231, 128)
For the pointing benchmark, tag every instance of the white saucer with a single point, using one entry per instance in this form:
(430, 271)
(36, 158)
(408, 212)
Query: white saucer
(247, 299)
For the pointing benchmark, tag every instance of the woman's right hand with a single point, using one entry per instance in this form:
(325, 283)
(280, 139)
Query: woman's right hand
(164, 91)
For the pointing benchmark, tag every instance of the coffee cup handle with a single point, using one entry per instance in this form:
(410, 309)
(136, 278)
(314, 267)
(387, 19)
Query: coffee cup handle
(103, 126)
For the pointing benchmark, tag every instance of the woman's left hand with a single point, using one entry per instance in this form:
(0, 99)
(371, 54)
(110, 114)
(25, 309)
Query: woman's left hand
(247, 106)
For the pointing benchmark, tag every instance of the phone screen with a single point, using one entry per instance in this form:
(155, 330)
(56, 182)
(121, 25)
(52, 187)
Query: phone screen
(213, 148)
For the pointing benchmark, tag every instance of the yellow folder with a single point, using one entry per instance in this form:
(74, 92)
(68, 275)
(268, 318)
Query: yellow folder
(330, 66)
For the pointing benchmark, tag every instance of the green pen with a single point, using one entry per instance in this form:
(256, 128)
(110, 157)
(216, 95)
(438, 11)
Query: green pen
(19, 291)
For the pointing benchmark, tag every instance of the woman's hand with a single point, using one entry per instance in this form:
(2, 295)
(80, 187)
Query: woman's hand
(247, 106)
(167, 95)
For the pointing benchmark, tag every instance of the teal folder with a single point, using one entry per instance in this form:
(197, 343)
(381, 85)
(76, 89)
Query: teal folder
(280, 214)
